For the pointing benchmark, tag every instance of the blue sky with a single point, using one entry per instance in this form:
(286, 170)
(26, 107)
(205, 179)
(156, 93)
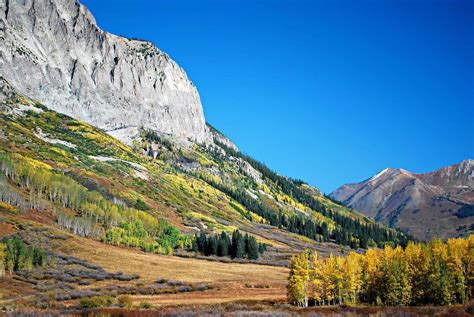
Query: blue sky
(327, 91)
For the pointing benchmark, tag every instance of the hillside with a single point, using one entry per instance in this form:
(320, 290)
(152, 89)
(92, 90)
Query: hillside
(435, 204)
(115, 191)
(63, 176)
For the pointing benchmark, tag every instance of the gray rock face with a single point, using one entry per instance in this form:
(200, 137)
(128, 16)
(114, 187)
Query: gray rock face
(53, 51)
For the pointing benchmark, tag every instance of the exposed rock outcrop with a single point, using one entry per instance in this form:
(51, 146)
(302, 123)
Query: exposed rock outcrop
(53, 51)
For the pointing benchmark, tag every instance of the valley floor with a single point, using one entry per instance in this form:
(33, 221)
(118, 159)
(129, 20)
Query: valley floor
(230, 281)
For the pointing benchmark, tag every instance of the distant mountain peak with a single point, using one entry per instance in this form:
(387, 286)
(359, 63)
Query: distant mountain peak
(382, 172)
(416, 202)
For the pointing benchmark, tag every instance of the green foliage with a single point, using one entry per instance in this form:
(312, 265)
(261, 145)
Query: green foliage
(145, 305)
(221, 245)
(2, 259)
(122, 225)
(351, 232)
(96, 302)
(17, 256)
(140, 205)
(155, 137)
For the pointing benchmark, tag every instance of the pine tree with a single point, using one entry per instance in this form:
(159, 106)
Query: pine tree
(252, 248)
(297, 288)
(195, 246)
(211, 248)
(202, 242)
(238, 245)
(223, 244)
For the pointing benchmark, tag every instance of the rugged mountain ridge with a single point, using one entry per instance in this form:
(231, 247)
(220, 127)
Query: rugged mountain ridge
(53, 51)
(439, 203)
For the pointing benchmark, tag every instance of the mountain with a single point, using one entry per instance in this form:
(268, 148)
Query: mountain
(54, 52)
(439, 203)
(110, 176)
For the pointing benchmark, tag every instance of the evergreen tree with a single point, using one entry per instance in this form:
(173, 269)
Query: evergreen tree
(194, 245)
(238, 245)
(252, 248)
(223, 244)
(202, 242)
(211, 248)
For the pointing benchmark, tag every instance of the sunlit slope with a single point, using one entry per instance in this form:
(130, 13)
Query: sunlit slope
(191, 187)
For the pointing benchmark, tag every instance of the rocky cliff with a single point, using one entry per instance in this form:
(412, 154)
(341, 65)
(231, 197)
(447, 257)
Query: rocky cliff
(53, 51)
(440, 203)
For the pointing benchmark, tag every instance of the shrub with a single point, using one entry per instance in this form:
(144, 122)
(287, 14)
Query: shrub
(145, 305)
(96, 302)
(125, 301)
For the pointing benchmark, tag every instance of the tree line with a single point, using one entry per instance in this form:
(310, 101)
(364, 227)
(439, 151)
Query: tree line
(15, 256)
(350, 232)
(238, 246)
(435, 273)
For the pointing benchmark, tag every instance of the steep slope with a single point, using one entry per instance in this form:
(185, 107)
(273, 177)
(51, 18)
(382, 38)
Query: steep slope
(206, 188)
(53, 51)
(440, 203)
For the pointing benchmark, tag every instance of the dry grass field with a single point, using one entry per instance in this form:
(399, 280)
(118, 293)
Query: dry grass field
(230, 281)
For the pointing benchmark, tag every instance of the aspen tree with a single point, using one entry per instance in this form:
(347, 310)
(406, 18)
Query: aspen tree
(2, 259)
(352, 276)
(297, 288)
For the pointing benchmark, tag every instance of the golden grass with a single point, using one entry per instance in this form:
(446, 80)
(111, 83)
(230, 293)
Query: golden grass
(230, 281)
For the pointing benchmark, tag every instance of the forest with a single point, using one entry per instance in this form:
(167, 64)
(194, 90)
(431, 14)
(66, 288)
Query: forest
(239, 246)
(434, 273)
(350, 232)
(94, 216)
(15, 256)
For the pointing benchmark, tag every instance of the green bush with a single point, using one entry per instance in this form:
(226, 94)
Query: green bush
(145, 305)
(96, 302)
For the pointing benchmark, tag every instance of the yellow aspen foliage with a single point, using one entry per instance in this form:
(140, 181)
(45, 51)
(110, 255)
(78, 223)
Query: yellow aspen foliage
(418, 266)
(297, 288)
(326, 282)
(318, 292)
(352, 277)
(435, 273)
